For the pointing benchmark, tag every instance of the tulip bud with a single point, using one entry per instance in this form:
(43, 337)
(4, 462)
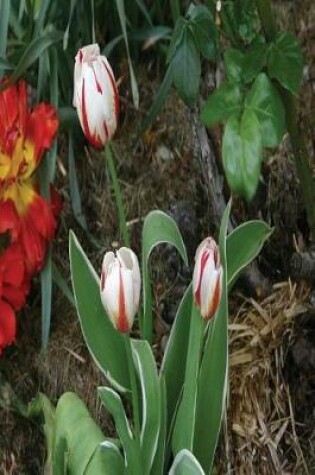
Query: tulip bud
(120, 287)
(95, 95)
(207, 278)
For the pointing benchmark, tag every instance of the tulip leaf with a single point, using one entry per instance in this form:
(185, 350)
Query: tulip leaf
(183, 433)
(159, 459)
(46, 298)
(120, 4)
(114, 406)
(32, 52)
(105, 344)
(185, 463)
(212, 380)
(158, 228)
(150, 391)
(74, 452)
(243, 244)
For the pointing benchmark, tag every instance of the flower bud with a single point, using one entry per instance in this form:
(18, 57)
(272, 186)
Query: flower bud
(207, 278)
(120, 287)
(95, 95)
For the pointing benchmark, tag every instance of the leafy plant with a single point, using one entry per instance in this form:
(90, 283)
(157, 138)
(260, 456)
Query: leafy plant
(182, 402)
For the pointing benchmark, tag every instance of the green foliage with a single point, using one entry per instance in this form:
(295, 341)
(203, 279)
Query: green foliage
(213, 372)
(158, 228)
(185, 463)
(241, 153)
(285, 62)
(263, 99)
(224, 102)
(105, 344)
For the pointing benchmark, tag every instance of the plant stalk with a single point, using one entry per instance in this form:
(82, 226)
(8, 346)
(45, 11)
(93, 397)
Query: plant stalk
(298, 141)
(117, 194)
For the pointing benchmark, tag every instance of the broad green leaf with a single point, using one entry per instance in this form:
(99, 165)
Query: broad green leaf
(150, 398)
(160, 458)
(212, 381)
(241, 153)
(185, 463)
(77, 442)
(183, 433)
(221, 104)
(177, 38)
(120, 4)
(42, 411)
(253, 62)
(186, 67)
(243, 244)
(265, 101)
(233, 59)
(32, 52)
(114, 406)
(174, 360)
(105, 344)
(204, 29)
(285, 62)
(158, 228)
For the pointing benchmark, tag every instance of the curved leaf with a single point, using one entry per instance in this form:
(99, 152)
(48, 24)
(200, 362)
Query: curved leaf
(212, 381)
(151, 404)
(174, 360)
(114, 406)
(158, 228)
(105, 344)
(185, 463)
(75, 453)
(243, 244)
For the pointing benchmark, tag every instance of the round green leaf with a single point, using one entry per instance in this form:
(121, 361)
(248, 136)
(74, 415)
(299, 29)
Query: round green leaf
(221, 104)
(241, 153)
(265, 101)
(285, 62)
(186, 69)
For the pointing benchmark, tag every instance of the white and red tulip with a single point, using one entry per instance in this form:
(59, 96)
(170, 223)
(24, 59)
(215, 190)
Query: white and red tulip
(207, 278)
(120, 287)
(95, 95)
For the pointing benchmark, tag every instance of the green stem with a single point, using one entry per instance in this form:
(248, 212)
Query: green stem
(118, 197)
(297, 138)
(134, 389)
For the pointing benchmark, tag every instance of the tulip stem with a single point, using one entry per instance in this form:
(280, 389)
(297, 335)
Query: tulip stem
(117, 194)
(134, 388)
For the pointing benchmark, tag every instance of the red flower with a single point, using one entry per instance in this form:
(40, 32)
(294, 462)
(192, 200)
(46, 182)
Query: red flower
(24, 136)
(14, 287)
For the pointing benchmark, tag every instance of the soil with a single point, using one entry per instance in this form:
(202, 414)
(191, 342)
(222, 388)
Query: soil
(160, 170)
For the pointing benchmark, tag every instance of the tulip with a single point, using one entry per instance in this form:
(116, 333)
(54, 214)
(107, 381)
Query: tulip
(207, 278)
(120, 287)
(95, 95)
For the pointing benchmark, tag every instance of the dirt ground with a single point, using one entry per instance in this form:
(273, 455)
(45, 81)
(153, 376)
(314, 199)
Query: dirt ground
(269, 427)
